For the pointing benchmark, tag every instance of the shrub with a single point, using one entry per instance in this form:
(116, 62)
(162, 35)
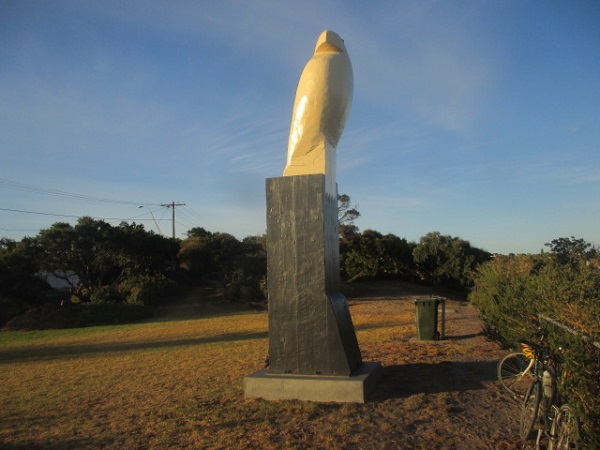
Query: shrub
(244, 287)
(144, 289)
(51, 316)
(503, 294)
(104, 295)
(48, 316)
(9, 308)
(511, 292)
(87, 315)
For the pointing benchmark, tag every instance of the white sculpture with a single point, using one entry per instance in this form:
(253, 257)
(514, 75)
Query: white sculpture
(321, 108)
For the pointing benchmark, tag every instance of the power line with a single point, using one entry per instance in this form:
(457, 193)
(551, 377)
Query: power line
(184, 224)
(153, 218)
(39, 213)
(9, 184)
(137, 218)
(71, 216)
(195, 217)
(23, 187)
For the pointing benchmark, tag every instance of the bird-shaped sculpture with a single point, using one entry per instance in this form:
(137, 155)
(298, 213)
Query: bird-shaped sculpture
(321, 107)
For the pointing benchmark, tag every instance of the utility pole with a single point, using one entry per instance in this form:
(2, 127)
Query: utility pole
(173, 205)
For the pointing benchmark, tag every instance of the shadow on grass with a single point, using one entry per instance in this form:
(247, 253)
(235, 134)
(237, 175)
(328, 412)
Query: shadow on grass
(79, 351)
(401, 381)
(374, 326)
(464, 336)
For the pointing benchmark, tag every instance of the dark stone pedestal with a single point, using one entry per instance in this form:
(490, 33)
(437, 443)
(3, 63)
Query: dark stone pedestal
(310, 328)
(311, 335)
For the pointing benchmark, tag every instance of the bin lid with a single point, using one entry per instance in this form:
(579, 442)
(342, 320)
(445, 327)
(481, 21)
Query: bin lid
(427, 300)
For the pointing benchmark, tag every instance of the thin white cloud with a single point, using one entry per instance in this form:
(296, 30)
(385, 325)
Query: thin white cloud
(442, 77)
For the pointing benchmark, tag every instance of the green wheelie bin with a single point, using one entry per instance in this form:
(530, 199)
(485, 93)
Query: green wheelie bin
(427, 318)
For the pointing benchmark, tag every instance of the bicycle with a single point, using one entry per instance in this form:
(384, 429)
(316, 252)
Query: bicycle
(514, 372)
(542, 407)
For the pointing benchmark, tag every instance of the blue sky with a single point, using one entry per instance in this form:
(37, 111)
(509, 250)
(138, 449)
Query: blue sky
(477, 119)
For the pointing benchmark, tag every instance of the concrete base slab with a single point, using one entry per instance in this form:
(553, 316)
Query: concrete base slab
(316, 388)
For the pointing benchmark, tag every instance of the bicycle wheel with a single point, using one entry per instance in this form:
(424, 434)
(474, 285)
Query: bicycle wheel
(511, 374)
(530, 409)
(565, 430)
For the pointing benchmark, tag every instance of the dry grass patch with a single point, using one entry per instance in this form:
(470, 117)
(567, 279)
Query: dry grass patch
(178, 383)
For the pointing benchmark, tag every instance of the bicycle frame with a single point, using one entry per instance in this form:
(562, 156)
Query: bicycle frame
(528, 368)
(544, 403)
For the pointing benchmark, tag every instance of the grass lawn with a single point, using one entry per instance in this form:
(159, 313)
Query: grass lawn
(177, 382)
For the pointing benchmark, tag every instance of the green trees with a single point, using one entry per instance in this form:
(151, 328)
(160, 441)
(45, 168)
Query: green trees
(209, 255)
(19, 288)
(112, 264)
(447, 260)
(18, 264)
(126, 264)
(373, 255)
(240, 266)
(568, 250)
(437, 259)
(346, 216)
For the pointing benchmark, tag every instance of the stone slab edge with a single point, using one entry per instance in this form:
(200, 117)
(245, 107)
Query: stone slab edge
(316, 388)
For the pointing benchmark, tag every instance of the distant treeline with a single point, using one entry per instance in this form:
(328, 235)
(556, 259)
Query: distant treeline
(101, 263)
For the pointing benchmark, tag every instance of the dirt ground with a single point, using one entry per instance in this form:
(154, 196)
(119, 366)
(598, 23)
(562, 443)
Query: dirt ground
(452, 389)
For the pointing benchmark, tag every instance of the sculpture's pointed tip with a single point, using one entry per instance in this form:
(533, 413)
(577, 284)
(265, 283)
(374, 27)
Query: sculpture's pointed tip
(330, 41)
